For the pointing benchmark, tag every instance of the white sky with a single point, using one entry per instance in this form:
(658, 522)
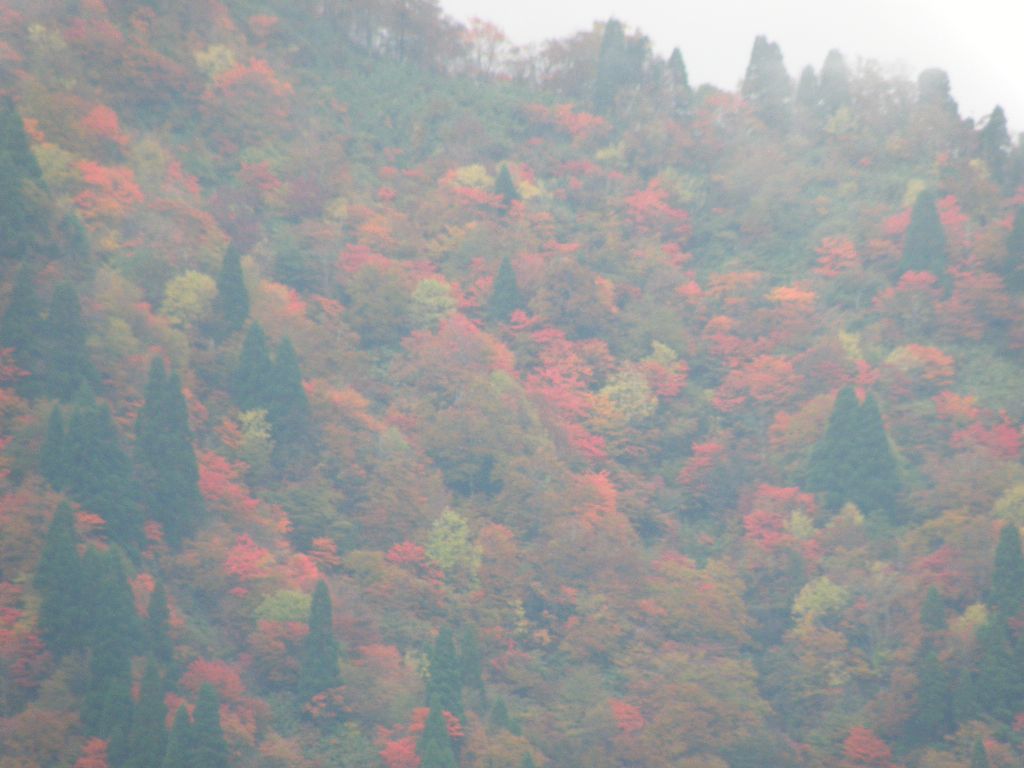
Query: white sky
(979, 43)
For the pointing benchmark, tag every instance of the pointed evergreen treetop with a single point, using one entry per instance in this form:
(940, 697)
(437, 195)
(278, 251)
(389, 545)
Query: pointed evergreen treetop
(15, 150)
(807, 95)
(287, 404)
(445, 681)
(209, 749)
(179, 742)
(65, 356)
(147, 739)
(505, 186)
(834, 90)
(766, 85)
(59, 581)
(925, 248)
(612, 67)
(249, 386)
(232, 303)
(319, 670)
(505, 296)
(1008, 572)
(677, 71)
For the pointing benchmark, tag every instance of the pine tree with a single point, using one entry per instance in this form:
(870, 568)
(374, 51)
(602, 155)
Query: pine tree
(505, 186)
(924, 247)
(994, 145)
(505, 296)
(287, 405)
(179, 742)
(834, 91)
(445, 682)
(59, 581)
(966, 699)
(209, 749)
(678, 81)
(52, 464)
(232, 303)
(1008, 573)
(435, 745)
(979, 757)
(319, 669)
(766, 84)
(933, 91)
(98, 473)
(65, 365)
(932, 718)
(249, 385)
(1000, 682)
(933, 611)
(107, 705)
(21, 329)
(1014, 270)
(22, 215)
(612, 67)
(166, 463)
(158, 636)
(147, 740)
(470, 660)
(853, 461)
(807, 95)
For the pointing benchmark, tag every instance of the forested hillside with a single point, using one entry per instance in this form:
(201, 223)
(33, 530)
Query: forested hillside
(376, 395)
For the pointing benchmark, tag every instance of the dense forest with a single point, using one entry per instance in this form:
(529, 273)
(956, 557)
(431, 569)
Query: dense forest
(376, 394)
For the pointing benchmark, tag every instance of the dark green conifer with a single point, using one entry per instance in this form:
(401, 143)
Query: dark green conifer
(966, 700)
(319, 669)
(678, 80)
(505, 296)
(766, 85)
(232, 303)
(834, 91)
(435, 745)
(179, 742)
(59, 581)
(612, 67)
(158, 636)
(933, 91)
(933, 715)
(209, 749)
(52, 464)
(165, 461)
(995, 146)
(249, 385)
(445, 681)
(853, 461)
(979, 757)
(287, 405)
(22, 214)
(1014, 270)
(924, 247)
(21, 329)
(1000, 683)
(147, 740)
(807, 96)
(1008, 573)
(933, 611)
(65, 357)
(470, 659)
(107, 705)
(505, 186)
(98, 473)
(499, 718)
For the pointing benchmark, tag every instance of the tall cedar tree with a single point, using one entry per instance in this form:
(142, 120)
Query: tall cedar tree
(1008, 573)
(157, 629)
(1014, 269)
(612, 67)
(21, 329)
(505, 296)
(232, 302)
(470, 660)
(979, 757)
(435, 745)
(98, 474)
(59, 581)
(249, 384)
(147, 740)
(766, 84)
(179, 742)
(834, 89)
(209, 749)
(925, 248)
(287, 405)
(21, 212)
(933, 714)
(807, 91)
(853, 461)
(445, 681)
(1000, 679)
(319, 669)
(505, 186)
(994, 145)
(65, 357)
(678, 80)
(52, 464)
(166, 463)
